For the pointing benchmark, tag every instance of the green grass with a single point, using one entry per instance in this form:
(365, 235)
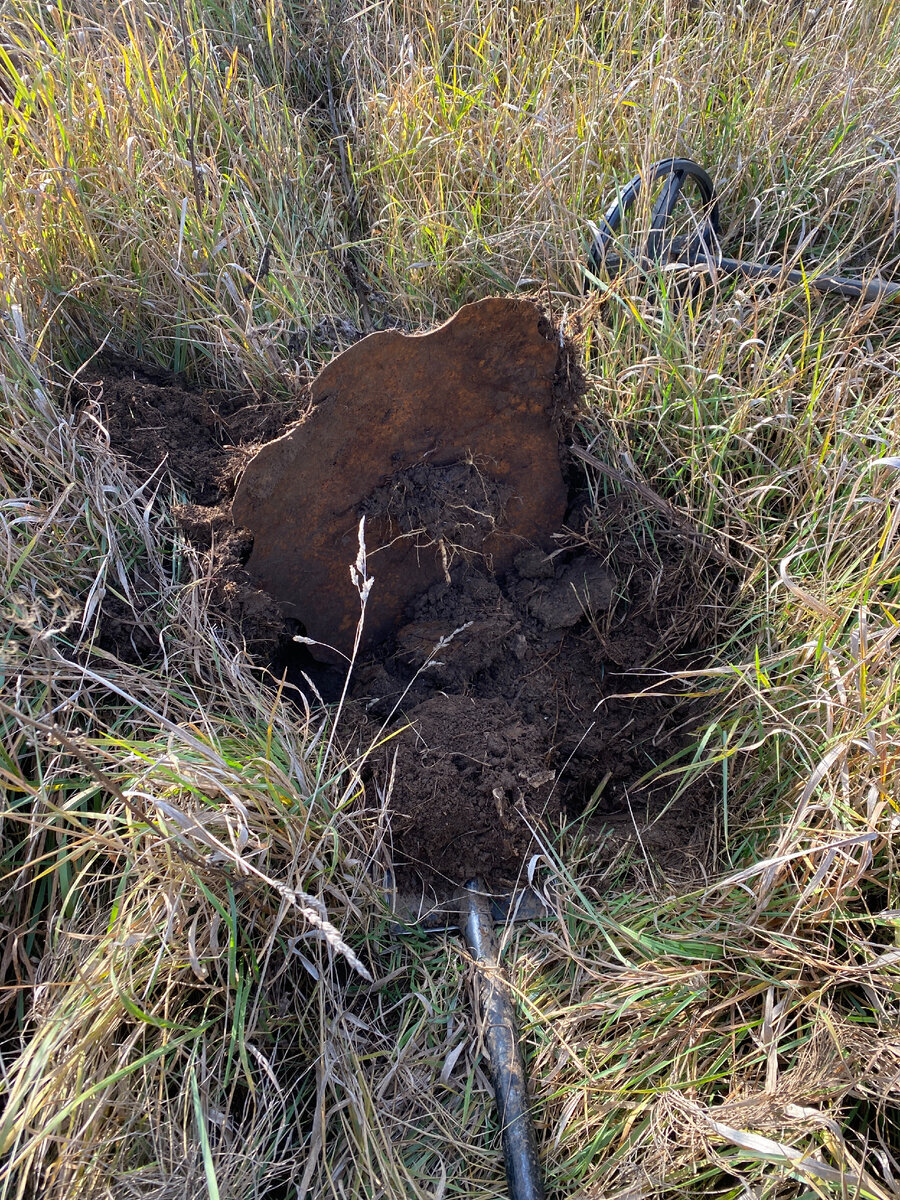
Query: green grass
(189, 868)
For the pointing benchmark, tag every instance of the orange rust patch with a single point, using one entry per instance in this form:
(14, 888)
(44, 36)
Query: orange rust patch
(476, 396)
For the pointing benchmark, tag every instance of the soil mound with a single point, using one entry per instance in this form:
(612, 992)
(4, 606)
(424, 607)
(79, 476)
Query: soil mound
(504, 699)
(202, 437)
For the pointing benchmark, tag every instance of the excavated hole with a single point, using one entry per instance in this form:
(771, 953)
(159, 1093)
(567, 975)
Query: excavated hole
(503, 705)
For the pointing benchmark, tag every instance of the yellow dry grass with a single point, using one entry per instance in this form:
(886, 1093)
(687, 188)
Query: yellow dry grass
(200, 993)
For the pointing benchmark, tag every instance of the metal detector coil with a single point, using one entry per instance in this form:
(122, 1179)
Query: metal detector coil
(701, 250)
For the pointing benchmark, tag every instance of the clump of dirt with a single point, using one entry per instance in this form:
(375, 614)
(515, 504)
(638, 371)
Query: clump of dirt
(511, 701)
(453, 505)
(202, 437)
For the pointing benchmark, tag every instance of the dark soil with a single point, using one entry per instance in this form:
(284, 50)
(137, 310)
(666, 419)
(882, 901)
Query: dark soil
(514, 698)
(202, 437)
(123, 633)
(502, 706)
(155, 418)
(455, 504)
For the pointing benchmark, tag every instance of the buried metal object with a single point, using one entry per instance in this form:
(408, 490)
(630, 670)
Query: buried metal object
(445, 441)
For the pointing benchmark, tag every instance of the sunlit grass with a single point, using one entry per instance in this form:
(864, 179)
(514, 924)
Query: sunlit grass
(187, 881)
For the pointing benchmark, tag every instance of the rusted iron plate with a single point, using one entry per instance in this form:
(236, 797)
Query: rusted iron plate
(467, 406)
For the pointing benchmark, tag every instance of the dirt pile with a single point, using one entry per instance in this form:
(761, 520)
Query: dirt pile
(499, 697)
(202, 437)
(498, 701)
(513, 698)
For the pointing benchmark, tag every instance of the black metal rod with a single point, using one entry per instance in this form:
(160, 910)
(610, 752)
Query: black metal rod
(851, 289)
(693, 257)
(501, 1039)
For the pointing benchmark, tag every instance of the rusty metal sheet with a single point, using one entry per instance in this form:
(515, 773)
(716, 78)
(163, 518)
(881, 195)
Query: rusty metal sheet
(469, 404)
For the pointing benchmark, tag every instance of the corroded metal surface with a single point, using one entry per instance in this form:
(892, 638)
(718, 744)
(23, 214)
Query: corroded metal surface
(479, 389)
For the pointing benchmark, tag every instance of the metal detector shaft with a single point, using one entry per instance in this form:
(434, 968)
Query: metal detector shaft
(523, 1171)
(842, 285)
(851, 289)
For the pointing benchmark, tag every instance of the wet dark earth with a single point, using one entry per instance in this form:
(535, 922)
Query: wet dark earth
(503, 702)
(510, 695)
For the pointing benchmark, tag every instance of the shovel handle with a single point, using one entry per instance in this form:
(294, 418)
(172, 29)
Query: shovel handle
(501, 1039)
